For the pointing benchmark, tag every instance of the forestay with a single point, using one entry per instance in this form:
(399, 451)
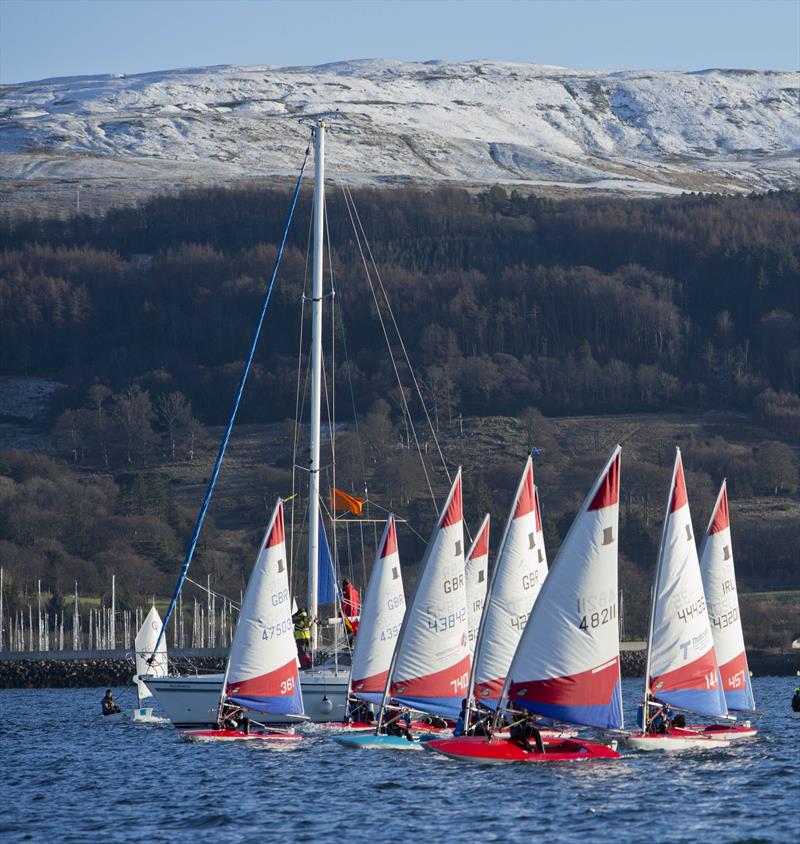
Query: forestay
(719, 584)
(476, 571)
(682, 664)
(149, 659)
(432, 662)
(381, 619)
(566, 666)
(518, 576)
(262, 667)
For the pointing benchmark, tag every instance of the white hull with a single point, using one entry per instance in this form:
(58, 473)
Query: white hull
(192, 701)
(671, 743)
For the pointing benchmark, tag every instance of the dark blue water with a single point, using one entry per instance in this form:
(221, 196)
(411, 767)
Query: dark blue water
(65, 779)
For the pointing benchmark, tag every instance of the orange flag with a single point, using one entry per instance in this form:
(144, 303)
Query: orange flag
(342, 501)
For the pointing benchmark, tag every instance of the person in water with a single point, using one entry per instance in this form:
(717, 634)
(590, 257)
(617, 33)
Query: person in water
(796, 700)
(523, 731)
(109, 704)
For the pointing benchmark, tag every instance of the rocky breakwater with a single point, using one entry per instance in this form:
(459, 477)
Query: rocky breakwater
(84, 672)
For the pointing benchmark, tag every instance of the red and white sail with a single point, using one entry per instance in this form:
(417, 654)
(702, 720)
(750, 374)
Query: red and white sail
(432, 662)
(262, 666)
(148, 660)
(682, 663)
(566, 666)
(518, 576)
(381, 619)
(722, 599)
(477, 578)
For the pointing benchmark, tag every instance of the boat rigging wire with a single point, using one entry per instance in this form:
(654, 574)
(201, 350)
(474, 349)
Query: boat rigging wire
(234, 410)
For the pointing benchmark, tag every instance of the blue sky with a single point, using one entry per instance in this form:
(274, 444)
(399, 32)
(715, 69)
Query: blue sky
(43, 38)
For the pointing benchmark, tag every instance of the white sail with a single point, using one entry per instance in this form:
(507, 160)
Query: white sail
(566, 666)
(381, 619)
(518, 575)
(719, 584)
(477, 579)
(148, 661)
(262, 666)
(432, 661)
(682, 665)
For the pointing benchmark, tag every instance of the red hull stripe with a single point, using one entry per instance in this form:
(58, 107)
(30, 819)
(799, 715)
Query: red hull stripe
(589, 688)
(688, 677)
(481, 548)
(390, 546)
(375, 683)
(443, 684)
(276, 534)
(608, 491)
(525, 500)
(679, 497)
(278, 683)
(453, 514)
(721, 516)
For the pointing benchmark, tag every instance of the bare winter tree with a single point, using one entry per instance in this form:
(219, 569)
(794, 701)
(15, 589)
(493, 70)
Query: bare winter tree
(174, 411)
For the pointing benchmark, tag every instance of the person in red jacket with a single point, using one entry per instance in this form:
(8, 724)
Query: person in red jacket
(351, 601)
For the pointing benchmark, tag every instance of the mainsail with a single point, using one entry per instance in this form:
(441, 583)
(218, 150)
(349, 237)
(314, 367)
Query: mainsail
(432, 661)
(719, 584)
(262, 667)
(566, 665)
(518, 575)
(682, 665)
(149, 659)
(381, 620)
(476, 573)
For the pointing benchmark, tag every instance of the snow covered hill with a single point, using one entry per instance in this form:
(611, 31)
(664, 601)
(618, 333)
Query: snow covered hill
(475, 122)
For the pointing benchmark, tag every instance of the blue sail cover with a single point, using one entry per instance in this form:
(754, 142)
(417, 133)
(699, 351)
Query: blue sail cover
(326, 581)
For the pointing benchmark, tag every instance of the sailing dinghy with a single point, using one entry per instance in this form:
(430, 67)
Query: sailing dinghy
(430, 666)
(682, 669)
(566, 665)
(719, 584)
(261, 674)
(379, 627)
(151, 661)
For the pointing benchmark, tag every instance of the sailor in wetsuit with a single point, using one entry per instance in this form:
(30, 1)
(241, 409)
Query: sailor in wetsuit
(399, 725)
(522, 733)
(109, 704)
(796, 700)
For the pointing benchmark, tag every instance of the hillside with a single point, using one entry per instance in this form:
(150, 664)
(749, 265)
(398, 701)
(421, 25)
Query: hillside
(478, 123)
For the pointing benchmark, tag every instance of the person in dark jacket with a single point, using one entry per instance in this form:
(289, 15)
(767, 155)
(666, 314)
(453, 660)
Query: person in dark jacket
(109, 704)
(796, 700)
(523, 732)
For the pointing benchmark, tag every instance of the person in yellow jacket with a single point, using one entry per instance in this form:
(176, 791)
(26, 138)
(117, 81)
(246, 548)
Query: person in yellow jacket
(302, 637)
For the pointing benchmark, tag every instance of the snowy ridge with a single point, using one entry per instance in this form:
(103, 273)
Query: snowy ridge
(472, 122)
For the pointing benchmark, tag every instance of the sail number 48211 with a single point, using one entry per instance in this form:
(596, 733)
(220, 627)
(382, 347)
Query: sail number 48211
(596, 619)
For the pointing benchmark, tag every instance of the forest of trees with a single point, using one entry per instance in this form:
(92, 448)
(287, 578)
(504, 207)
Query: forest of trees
(509, 306)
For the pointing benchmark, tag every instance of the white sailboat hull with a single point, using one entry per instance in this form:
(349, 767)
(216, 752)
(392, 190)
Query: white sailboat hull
(192, 701)
(671, 742)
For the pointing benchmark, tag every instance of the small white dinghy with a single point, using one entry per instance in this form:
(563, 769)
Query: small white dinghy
(682, 668)
(151, 661)
(261, 674)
